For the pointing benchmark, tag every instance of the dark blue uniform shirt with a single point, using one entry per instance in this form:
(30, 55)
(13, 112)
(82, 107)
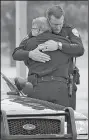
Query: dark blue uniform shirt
(73, 47)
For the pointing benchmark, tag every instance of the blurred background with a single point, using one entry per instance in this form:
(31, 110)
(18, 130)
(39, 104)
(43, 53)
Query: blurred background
(76, 13)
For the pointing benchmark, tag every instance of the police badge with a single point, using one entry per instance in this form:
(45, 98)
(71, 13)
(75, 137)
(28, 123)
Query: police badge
(75, 32)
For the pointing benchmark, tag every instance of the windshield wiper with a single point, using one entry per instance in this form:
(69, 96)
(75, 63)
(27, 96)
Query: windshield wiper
(8, 81)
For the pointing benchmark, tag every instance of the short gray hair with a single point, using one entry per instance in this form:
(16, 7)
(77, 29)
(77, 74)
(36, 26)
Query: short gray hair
(41, 23)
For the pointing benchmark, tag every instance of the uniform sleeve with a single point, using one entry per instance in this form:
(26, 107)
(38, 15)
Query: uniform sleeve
(75, 48)
(20, 53)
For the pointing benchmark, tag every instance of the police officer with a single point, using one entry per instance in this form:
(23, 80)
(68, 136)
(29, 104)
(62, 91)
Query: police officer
(55, 16)
(56, 20)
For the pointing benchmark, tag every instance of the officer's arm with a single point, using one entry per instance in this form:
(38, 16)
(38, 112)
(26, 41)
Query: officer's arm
(20, 53)
(75, 48)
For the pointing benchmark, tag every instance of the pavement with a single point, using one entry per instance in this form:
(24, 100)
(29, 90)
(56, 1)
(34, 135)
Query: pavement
(82, 92)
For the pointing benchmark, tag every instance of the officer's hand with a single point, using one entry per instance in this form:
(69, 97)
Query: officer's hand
(36, 55)
(49, 45)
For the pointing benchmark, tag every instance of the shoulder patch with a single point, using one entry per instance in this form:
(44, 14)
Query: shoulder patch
(75, 32)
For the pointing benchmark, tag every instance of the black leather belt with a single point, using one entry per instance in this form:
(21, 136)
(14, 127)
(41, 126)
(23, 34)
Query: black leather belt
(51, 78)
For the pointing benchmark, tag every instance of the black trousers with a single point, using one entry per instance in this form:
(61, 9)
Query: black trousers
(52, 91)
(72, 99)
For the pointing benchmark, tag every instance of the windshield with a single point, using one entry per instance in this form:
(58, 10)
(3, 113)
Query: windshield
(6, 86)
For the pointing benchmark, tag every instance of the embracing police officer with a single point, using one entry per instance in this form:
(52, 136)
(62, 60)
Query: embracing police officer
(51, 87)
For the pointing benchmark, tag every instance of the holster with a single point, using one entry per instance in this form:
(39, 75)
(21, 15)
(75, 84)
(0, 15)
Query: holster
(70, 85)
(33, 79)
(76, 76)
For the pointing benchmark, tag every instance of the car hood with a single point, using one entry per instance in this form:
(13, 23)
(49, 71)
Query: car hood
(15, 105)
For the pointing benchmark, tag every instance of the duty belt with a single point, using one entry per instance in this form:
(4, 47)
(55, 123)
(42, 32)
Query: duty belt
(51, 78)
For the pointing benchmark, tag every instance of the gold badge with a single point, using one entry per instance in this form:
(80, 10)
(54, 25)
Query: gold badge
(75, 32)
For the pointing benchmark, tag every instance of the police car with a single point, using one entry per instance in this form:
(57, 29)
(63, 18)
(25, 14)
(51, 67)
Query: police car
(25, 118)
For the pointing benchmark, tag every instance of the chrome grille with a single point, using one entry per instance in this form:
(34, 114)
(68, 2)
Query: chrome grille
(43, 126)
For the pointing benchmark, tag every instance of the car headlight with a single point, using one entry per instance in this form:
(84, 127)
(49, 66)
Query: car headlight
(82, 127)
